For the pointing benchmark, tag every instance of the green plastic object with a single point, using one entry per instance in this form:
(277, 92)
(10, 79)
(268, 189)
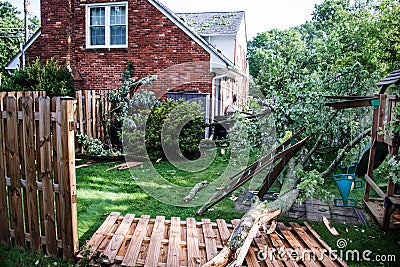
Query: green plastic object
(350, 169)
(375, 103)
(344, 182)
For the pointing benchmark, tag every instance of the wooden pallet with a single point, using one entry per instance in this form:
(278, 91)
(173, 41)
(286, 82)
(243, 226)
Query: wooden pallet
(130, 241)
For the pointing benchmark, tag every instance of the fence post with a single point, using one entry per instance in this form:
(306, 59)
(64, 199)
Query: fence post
(70, 235)
(4, 228)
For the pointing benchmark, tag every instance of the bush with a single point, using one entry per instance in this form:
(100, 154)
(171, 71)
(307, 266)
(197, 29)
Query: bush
(144, 127)
(56, 80)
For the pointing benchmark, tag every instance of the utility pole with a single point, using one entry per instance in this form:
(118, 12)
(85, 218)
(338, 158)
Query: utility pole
(26, 7)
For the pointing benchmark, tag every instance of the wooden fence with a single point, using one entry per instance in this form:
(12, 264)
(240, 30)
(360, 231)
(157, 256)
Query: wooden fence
(92, 110)
(38, 205)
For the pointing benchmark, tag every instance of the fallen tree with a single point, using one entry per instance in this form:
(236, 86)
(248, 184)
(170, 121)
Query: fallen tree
(262, 213)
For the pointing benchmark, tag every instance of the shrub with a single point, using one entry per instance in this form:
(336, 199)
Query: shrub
(56, 80)
(149, 121)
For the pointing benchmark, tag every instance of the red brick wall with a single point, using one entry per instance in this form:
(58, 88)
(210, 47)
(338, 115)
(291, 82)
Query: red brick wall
(155, 45)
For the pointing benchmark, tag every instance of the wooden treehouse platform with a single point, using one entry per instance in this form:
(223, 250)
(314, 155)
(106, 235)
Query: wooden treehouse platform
(130, 241)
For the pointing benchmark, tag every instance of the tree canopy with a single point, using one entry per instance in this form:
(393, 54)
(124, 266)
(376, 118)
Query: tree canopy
(12, 32)
(345, 49)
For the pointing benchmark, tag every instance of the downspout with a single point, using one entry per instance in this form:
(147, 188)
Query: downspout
(214, 101)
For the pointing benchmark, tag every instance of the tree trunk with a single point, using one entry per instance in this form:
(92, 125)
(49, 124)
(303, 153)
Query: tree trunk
(259, 213)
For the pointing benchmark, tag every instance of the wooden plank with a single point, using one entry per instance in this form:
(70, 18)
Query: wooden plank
(269, 258)
(192, 240)
(375, 207)
(70, 235)
(98, 117)
(251, 258)
(314, 246)
(210, 239)
(371, 159)
(93, 113)
(295, 244)
(4, 228)
(155, 242)
(16, 211)
(223, 231)
(19, 96)
(132, 253)
(38, 167)
(118, 237)
(174, 242)
(329, 226)
(280, 246)
(325, 245)
(372, 183)
(57, 161)
(381, 119)
(30, 172)
(351, 103)
(45, 174)
(101, 233)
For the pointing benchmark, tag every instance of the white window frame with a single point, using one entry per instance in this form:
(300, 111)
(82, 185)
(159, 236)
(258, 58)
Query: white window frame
(107, 7)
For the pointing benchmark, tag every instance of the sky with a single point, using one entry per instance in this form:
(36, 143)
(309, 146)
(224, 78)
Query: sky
(261, 15)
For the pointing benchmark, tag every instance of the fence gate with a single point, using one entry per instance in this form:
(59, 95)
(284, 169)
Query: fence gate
(38, 205)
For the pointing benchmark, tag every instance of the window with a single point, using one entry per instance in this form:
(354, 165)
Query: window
(106, 25)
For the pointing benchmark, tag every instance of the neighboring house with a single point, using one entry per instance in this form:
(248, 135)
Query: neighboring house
(197, 52)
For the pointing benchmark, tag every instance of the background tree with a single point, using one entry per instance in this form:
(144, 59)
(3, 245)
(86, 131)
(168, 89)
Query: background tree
(344, 50)
(12, 32)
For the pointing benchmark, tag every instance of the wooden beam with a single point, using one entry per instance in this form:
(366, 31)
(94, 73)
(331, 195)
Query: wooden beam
(347, 97)
(374, 186)
(366, 102)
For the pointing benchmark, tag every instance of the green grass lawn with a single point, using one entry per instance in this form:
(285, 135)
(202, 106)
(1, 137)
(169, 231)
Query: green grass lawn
(101, 192)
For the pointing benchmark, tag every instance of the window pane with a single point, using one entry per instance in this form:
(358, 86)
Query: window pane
(97, 36)
(118, 35)
(97, 16)
(117, 15)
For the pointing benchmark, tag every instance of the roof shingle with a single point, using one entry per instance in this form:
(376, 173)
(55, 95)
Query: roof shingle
(213, 23)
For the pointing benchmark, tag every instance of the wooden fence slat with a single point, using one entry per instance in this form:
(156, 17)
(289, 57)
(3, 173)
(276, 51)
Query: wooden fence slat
(155, 242)
(93, 113)
(174, 242)
(16, 211)
(45, 173)
(20, 118)
(210, 239)
(132, 253)
(58, 169)
(70, 225)
(38, 166)
(4, 230)
(192, 241)
(30, 172)
(118, 237)
(57, 163)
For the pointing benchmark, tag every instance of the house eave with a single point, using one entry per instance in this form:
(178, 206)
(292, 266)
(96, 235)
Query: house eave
(14, 63)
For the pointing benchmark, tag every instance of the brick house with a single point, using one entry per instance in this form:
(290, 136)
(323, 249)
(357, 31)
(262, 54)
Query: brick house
(197, 52)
